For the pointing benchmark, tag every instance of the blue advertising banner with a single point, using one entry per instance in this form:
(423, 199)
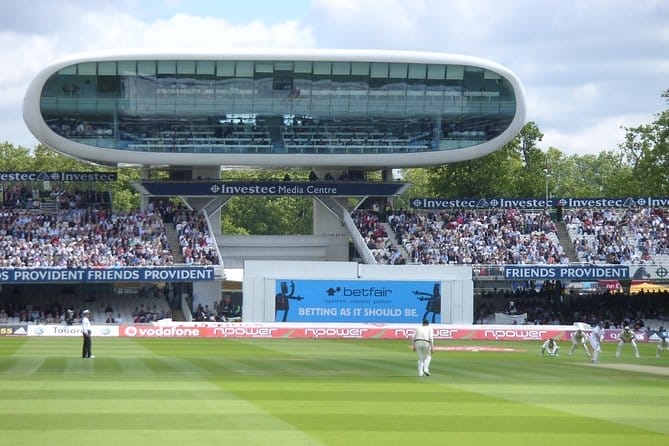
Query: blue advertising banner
(93, 275)
(276, 188)
(58, 176)
(567, 272)
(536, 203)
(357, 301)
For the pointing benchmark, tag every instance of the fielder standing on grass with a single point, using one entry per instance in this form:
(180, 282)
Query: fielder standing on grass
(626, 337)
(87, 331)
(578, 339)
(423, 345)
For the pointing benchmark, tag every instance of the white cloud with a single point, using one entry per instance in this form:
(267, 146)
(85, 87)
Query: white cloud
(587, 67)
(605, 134)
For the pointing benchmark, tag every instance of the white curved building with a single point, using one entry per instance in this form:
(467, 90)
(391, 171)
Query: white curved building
(282, 108)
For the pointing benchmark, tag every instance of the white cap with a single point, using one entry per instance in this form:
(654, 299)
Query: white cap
(85, 311)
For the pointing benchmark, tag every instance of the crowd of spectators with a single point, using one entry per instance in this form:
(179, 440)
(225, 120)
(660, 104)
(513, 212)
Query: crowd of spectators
(515, 236)
(625, 236)
(549, 305)
(500, 236)
(196, 244)
(76, 236)
(56, 305)
(19, 196)
(82, 238)
(224, 310)
(376, 238)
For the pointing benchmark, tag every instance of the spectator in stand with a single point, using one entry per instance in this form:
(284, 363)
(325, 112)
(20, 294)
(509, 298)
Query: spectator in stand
(109, 313)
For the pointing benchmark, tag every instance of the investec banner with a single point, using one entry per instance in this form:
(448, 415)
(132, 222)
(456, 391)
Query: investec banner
(58, 176)
(537, 203)
(567, 272)
(275, 188)
(356, 301)
(93, 275)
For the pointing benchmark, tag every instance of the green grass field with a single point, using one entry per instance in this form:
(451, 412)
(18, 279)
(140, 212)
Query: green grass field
(323, 392)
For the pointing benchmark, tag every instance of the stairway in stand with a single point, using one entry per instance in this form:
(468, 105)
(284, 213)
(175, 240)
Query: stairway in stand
(173, 240)
(393, 239)
(566, 242)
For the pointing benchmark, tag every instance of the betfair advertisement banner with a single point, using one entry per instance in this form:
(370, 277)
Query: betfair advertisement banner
(357, 301)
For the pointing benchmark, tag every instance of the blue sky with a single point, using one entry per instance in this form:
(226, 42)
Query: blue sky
(588, 67)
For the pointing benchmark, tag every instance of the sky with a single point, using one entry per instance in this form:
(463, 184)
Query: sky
(588, 67)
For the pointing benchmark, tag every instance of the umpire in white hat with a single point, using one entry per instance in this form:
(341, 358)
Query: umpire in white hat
(87, 331)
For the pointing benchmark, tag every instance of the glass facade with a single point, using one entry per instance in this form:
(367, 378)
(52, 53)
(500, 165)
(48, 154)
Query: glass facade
(246, 106)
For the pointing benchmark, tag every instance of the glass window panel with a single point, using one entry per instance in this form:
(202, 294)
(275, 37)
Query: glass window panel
(322, 68)
(167, 67)
(398, 70)
(455, 72)
(283, 66)
(436, 71)
(107, 68)
(487, 74)
(302, 67)
(146, 67)
(185, 67)
(360, 68)
(341, 68)
(244, 68)
(206, 67)
(87, 69)
(72, 69)
(417, 71)
(379, 69)
(127, 67)
(225, 69)
(264, 67)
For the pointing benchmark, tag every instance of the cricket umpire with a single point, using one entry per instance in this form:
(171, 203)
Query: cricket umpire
(86, 331)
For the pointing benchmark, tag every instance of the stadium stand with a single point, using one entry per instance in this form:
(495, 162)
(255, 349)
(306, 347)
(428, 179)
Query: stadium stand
(517, 236)
(77, 229)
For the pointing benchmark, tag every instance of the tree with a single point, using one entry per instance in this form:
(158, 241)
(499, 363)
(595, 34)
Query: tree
(527, 139)
(515, 170)
(602, 175)
(14, 158)
(646, 148)
(266, 215)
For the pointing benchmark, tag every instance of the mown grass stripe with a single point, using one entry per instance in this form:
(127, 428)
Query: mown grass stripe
(343, 392)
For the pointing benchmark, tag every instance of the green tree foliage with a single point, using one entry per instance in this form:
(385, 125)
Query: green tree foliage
(601, 175)
(517, 169)
(646, 149)
(266, 215)
(14, 158)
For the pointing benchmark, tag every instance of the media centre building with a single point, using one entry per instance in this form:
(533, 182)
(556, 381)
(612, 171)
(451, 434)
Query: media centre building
(339, 113)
